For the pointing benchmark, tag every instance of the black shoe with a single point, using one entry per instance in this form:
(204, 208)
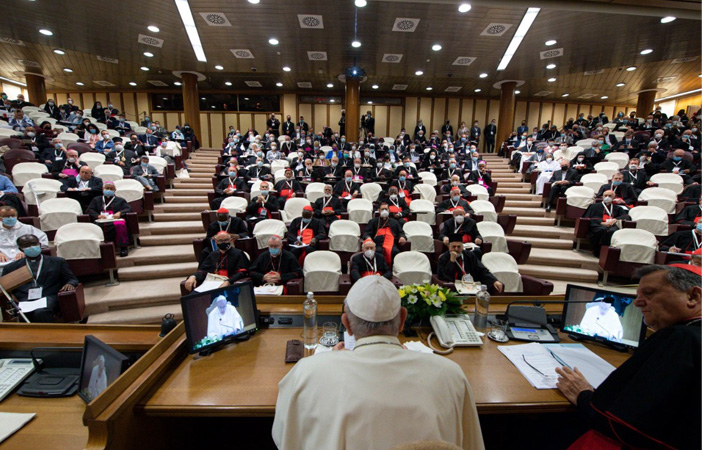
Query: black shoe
(123, 252)
(548, 208)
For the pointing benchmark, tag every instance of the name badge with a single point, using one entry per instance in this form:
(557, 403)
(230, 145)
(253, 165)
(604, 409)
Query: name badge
(35, 148)
(402, 194)
(34, 293)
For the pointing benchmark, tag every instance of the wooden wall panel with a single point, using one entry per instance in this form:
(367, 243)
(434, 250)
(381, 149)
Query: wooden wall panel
(158, 116)
(559, 114)
(101, 97)
(571, 111)
(410, 114)
(381, 120)
(334, 116)
(244, 123)
(609, 112)
(467, 113)
(172, 119)
(320, 118)
(289, 108)
(116, 99)
(630, 109)
(395, 121)
(205, 140)
(231, 119)
(60, 98)
(304, 110)
(546, 114)
(260, 122)
(439, 116)
(129, 104)
(493, 112)
(219, 131)
(143, 104)
(481, 106)
(425, 114)
(454, 111)
(534, 118)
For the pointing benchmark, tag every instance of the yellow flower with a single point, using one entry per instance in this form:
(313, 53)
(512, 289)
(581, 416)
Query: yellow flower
(442, 296)
(402, 292)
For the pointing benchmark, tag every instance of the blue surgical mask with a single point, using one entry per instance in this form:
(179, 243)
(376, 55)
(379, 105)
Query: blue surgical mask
(699, 227)
(223, 223)
(232, 174)
(264, 192)
(144, 165)
(108, 193)
(9, 221)
(306, 221)
(402, 178)
(407, 164)
(274, 251)
(32, 252)
(58, 146)
(616, 183)
(677, 158)
(349, 179)
(452, 165)
(259, 164)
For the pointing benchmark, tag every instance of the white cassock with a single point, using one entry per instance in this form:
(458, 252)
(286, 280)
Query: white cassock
(546, 171)
(377, 396)
(8, 239)
(228, 323)
(97, 383)
(608, 325)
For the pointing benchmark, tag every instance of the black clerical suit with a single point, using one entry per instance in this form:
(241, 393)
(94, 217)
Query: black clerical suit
(687, 241)
(285, 264)
(571, 177)
(450, 205)
(468, 263)
(476, 175)
(362, 267)
(381, 174)
(624, 191)
(599, 234)
(468, 230)
(259, 173)
(124, 159)
(117, 205)
(689, 215)
(490, 132)
(332, 203)
(233, 261)
(343, 188)
(234, 226)
(54, 274)
(238, 184)
(636, 179)
(385, 230)
(398, 207)
(296, 232)
(94, 185)
(257, 211)
(62, 164)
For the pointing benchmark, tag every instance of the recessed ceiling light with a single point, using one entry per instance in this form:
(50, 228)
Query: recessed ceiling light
(213, 106)
(477, 90)
(464, 7)
(429, 88)
(131, 83)
(360, 3)
(375, 86)
(551, 66)
(227, 83)
(46, 32)
(144, 68)
(483, 75)
(631, 68)
(517, 92)
(58, 51)
(286, 69)
(436, 47)
(419, 73)
(79, 83)
(218, 67)
(203, 98)
(668, 19)
(621, 84)
(370, 102)
(254, 2)
(330, 85)
(67, 69)
(153, 28)
(551, 42)
(177, 83)
(165, 98)
(246, 98)
(279, 84)
(331, 100)
(148, 54)
(551, 80)
(565, 95)
(356, 44)
(604, 97)
(646, 51)
(273, 41)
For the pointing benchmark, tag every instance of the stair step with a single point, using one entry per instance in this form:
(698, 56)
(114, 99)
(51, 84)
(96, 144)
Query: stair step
(171, 217)
(131, 294)
(510, 185)
(550, 232)
(186, 199)
(525, 220)
(170, 239)
(188, 181)
(556, 272)
(189, 192)
(522, 203)
(149, 315)
(174, 227)
(512, 190)
(538, 242)
(202, 184)
(533, 212)
(563, 258)
(155, 271)
(181, 207)
(157, 255)
(520, 197)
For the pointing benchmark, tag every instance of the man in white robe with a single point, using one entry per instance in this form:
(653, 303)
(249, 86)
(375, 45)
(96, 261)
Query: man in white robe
(98, 378)
(602, 320)
(545, 169)
(379, 395)
(10, 230)
(224, 319)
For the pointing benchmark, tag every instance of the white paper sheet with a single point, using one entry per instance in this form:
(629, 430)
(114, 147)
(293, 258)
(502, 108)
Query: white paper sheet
(208, 286)
(11, 422)
(349, 341)
(417, 346)
(268, 290)
(29, 306)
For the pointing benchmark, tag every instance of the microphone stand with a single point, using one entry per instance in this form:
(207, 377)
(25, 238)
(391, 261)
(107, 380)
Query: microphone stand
(15, 309)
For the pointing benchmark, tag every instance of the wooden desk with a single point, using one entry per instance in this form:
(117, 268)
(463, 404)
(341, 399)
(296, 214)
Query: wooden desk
(241, 380)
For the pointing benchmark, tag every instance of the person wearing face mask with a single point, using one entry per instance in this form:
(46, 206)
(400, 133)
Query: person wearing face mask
(536, 158)
(454, 201)
(288, 127)
(459, 263)
(369, 262)
(287, 187)
(624, 193)
(50, 275)
(275, 266)
(20, 121)
(359, 172)
(334, 170)
(149, 139)
(561, 181)
(108, 212)
(67, 168)
(379, 172)
(462, 227)
(328, 208)
(223, 222)
(304, 234)
(678, 164)
(288, 146)
(688, 142)
(685, 241)
(386, 232)
(145, 174)
(446, 128)
(629, 144)
(659, 138)
(346, 189)
(98, 112)
(604, 221)
(51, 109)
(545, 169)
(262, 206)
(259, 171)
(452, 168)
(490, 132)
(420, 128)
(105, 143)
(398, 206)
(110, 111)
(410, 171)
(636, 177)
(481, 177)
(83, 187)
(70, 105)
(229, 186)
(228, 262)
(404, 186)
(307, 171)
(119, 123)
(12, 229)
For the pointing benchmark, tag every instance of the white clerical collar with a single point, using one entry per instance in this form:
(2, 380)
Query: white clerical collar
(369, 341)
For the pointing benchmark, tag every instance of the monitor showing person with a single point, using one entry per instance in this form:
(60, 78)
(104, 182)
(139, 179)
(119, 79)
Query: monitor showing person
(223, 319)
(601, 319)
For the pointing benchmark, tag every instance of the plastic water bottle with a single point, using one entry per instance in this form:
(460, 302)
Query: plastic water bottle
(309, 313)
(482, 307)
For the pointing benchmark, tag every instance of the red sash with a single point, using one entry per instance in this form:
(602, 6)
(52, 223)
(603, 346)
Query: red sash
(593, 439)
(408, 197)
(394, 209)
(388, 242)
(606, 217)
(223, 272)
(287, 193)
(268, 212)
(329, 208)
(369, 273)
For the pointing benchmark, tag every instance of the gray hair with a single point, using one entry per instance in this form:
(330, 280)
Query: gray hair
(362, 328)
(682, 280)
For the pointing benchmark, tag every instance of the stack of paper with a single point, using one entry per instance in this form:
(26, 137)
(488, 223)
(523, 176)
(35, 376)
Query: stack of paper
(11, 422)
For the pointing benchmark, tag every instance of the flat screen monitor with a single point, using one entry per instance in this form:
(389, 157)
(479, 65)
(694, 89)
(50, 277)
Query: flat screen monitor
(101, 366)
(218, 316)
(603, 315)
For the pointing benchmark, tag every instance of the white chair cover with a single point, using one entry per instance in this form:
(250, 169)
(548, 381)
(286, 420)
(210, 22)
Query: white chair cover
(638, 246)
(100, 126)
(79, 241)
(132, 124)
(281, 138)
(425, 211)
(267, 228)
(322, 270)
(129, 189)
(360, 210)
(113, 133)
(428, 178)
(7, 132)
(234, 204)
(650, 218)
(505, 269)
(412, 268)
(585, 143)
(159, 163)
(607, 168)
(580, 196)
(620, 158)
(314, 191)
(28, 109)
(326, 149)
(278, 175)
(493, 232)
(293, 208)
(479, 191)
(388, 140)
(68, 138)
(40, 189)
(256, 188)
(93, 159)
(426, 192)
(279, 164)
(140, 130)
(23, 172)
(671, 181)
(485, 208)
(371, 191)
(660, 197)
(56, 212)
(108, 172)
(594, 181)
(344, 236)
(618, 134)
(420, 236)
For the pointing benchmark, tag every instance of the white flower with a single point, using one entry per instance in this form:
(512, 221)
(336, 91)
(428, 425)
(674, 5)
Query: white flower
(436, 301)
(412, 299)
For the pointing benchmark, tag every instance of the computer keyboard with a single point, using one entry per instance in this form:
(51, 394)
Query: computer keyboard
(12, 373)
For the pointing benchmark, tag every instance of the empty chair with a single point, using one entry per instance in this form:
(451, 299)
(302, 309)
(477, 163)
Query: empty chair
(281, 138)
(278, 175)
(7, 132)
(234, 204)
(607, 168)
(671, 181)
(256, 188)
(371, 191)
(344, 236)
(484, 208)
(315, 191)
(478, 191)
(660, 197)
(83, 247)
(23, 172)
(425, 191)
(620, 158)
(572, 152)
(637, 246)
(360, 210)
(267, 228)
(113, 133)
(158, 162)
(279, 164)
(68, 138)
(505, 269)
(139, 130)
(579, 196)
(650, 218)
(412, 268)
(293, 208)
(492, 232)
(108, 172)
(40, 189)
(56, 212)
(594, 180)
(425, 211)
(100, 126)
(585, 143)
(129, 189)
(93, 159)
(420, 236)
(321, 271)
(428, 178)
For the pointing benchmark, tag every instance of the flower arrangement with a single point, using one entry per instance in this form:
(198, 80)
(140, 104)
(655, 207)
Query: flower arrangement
(425, 300)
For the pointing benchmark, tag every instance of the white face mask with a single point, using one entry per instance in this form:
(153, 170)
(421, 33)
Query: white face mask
(369, 254)
(607, 200)
(459, 219)
(385, 213)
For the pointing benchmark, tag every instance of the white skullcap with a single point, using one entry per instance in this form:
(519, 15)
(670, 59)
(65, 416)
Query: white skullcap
(374, 299)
